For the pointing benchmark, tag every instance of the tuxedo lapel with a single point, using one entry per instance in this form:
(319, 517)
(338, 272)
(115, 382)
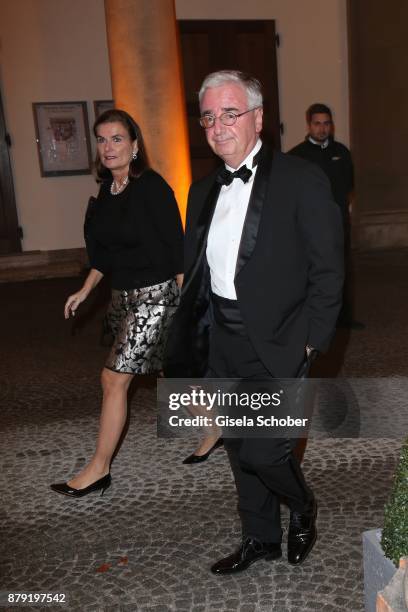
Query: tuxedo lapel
(206, 214)
(202, 229)
(255, 205)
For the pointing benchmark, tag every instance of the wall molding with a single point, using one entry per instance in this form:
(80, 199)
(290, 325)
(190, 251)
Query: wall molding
(382, 230)
(31, 265)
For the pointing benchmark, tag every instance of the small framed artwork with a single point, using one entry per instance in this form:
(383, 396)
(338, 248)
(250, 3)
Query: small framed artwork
(62, 134)
(100, 106)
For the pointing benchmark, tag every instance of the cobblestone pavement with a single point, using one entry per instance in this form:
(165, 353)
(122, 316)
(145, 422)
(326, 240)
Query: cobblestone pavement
(147, 544)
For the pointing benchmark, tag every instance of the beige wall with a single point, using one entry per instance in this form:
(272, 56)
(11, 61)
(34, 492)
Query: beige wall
(50, 50)
(312, 58)
(56, 50)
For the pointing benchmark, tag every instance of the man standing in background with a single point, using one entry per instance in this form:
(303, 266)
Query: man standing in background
(335, 160)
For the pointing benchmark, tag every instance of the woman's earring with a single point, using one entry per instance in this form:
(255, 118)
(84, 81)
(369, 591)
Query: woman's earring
(134, 155)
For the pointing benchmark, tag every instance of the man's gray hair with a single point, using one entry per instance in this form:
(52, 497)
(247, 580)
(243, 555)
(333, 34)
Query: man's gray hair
(251, 85)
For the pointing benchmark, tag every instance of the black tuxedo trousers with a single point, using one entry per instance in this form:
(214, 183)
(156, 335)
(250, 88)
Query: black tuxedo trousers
(264, 469)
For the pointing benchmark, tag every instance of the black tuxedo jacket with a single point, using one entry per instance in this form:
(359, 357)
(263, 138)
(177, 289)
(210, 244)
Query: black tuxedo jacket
(289, 271)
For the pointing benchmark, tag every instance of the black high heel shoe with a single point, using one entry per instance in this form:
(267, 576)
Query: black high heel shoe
(200, 458)
(63, 488)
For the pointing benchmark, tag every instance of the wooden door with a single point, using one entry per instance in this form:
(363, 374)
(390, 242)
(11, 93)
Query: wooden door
(378, 50)
(9, 230)
(207, 46)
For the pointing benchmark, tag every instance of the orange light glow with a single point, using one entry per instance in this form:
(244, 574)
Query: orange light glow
(147, 83)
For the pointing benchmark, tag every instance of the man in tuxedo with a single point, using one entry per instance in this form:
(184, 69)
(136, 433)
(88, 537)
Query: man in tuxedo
(261, 295)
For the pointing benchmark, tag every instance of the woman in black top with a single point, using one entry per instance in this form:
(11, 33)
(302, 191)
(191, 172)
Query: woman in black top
(133, 235)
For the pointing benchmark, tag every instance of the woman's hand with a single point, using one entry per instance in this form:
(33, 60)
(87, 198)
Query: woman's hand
(73, 302)
(77, 298)
(179, 280)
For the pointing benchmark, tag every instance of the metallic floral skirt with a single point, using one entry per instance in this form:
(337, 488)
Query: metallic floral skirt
(139, 320)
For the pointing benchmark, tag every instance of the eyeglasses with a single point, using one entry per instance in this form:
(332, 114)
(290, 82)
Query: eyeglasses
(227, 118)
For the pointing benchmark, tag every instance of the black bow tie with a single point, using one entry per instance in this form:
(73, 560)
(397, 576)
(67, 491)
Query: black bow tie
(225, 177)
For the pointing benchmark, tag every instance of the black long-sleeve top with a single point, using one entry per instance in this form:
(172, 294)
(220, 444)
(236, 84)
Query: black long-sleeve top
(335, 161)
(135, 237)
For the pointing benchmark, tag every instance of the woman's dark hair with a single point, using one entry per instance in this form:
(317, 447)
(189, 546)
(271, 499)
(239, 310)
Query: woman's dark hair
(136, 166)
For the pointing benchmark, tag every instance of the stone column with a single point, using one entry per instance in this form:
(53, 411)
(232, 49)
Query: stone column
(147, 82)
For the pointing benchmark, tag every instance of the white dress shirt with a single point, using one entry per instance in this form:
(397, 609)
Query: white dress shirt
(225, 232)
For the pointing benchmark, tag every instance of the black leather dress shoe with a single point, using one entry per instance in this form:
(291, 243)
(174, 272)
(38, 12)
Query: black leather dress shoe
(101, 484)
(200, 458)
(301, 536)
(250, 551)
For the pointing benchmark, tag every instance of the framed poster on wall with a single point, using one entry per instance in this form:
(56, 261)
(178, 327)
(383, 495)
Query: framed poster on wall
(62, 134)
(100, 106)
